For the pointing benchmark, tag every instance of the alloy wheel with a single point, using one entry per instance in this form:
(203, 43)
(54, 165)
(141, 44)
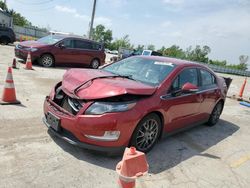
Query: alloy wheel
(216, 113)
(47, 61)
(147, 134)
(95, 64)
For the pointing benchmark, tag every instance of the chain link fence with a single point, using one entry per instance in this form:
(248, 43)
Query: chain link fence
(226, 70)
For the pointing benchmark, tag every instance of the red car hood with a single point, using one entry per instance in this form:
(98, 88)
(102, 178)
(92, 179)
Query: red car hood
(101, 87)
(32, 43)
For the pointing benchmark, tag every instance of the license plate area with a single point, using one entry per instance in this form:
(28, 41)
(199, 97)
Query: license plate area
(53, 121)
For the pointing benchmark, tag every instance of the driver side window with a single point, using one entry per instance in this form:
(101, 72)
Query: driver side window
(188, 75)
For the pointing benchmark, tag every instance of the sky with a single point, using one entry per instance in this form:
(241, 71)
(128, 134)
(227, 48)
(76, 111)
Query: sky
(223, 25)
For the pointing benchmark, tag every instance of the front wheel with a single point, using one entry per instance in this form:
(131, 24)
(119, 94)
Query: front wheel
(4, 40)
(46, 60)
(215, 115)
(95, 64)
(146, 133)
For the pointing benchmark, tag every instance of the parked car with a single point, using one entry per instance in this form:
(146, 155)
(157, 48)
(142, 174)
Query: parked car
(7, 35)
(133, 102)
(54, 50)
(115, 52)
(151, 53)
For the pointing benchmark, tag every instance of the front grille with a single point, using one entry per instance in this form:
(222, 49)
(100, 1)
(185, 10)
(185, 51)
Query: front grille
(67, 103)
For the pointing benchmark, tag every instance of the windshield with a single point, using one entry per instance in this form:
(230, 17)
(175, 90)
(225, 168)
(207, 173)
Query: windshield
(50, 39)
(148, 71)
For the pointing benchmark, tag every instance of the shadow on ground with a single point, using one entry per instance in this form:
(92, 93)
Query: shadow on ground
(64, 66)
(168, 152)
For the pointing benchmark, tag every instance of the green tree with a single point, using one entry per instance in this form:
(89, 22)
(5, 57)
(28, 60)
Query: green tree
(123, 42)
(174, 51)
(101, 34)
(243, 62)
(3, 6)
(139, 48)
(218, 62)
(151, 47)
(19, 20)
(198, 53)
(162, 50)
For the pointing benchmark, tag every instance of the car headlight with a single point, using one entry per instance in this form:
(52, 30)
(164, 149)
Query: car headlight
(99, 108)
(33, 49)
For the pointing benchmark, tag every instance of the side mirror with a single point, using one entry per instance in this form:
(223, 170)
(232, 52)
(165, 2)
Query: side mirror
(61, 45)
(189, 88)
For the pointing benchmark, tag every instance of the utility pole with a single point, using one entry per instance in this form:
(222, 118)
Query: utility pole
(92, 20)
(5, 2)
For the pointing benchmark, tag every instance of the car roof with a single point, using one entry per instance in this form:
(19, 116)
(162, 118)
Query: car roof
(75, 37)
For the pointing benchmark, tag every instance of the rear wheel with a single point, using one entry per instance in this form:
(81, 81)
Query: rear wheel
(215, 115)
(95, 63)
(47, 60)
(146, 133)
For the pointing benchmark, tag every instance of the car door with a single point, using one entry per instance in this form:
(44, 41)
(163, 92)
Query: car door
(210, 92)
(64, 52)
(182, 109)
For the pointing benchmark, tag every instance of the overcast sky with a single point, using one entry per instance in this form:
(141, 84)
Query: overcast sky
(224, 25)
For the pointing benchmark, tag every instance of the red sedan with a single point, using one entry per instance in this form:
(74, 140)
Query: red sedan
(133, 102)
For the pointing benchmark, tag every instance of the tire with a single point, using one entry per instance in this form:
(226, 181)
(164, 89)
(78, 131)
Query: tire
(146, 133)
(95, 63)
(215, 115)
(47, 60)
(4, 40)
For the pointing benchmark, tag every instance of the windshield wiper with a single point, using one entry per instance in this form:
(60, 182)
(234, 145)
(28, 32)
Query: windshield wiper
(128, 76)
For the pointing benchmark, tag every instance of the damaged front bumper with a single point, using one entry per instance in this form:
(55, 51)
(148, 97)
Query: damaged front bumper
(70, 138)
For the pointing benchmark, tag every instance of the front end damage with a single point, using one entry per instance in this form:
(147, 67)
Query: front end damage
(98, 124)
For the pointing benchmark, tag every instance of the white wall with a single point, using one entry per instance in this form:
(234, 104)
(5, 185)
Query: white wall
(5, 20)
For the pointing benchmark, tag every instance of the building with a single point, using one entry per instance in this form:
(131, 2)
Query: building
(5, 19)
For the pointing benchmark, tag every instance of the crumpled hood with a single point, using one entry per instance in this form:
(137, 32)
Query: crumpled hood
(32, 43)
(101, 87)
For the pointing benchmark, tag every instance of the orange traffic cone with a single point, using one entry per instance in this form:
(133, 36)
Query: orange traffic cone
(14, 64)
(28, 64)
(242, 88)
(9, 93)
(133, 165)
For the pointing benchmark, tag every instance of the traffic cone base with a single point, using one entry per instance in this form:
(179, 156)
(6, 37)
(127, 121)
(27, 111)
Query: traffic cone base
(8, 103)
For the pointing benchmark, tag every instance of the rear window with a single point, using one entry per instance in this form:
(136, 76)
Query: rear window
(207, 78)
(81, 44)
(96, 46)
